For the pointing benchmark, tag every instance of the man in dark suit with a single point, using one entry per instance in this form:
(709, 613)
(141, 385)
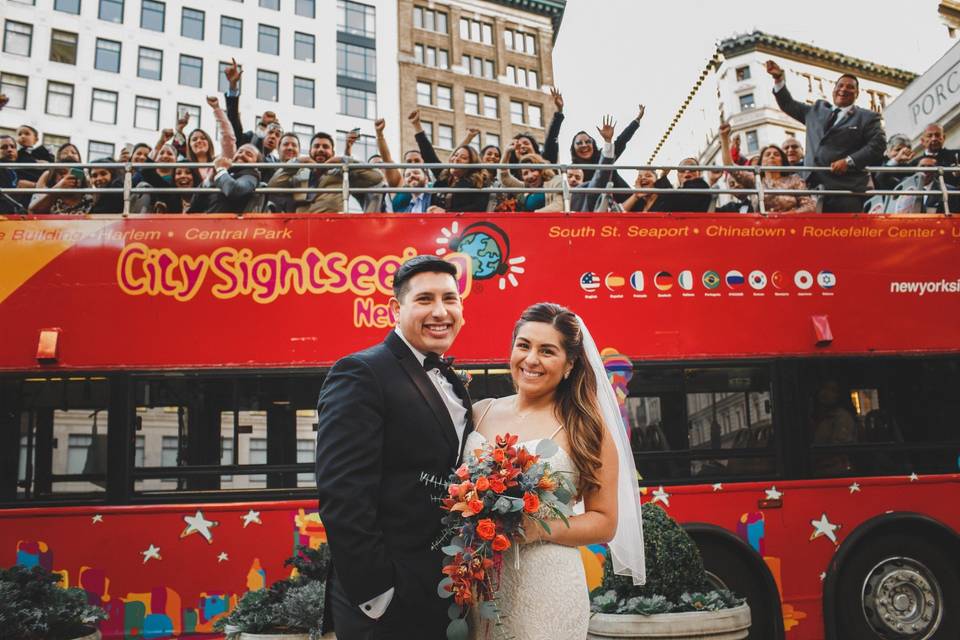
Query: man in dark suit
(237, 183)
(932, 142)
(842, 136)
(391, 425)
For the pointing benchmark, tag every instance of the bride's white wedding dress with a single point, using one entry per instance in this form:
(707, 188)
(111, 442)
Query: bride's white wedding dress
(546, 598)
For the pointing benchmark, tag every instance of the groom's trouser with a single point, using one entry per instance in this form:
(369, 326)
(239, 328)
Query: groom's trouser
(401, 621)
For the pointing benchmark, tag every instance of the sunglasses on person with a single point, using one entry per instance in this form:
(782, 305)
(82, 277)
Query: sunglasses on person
(583, 143)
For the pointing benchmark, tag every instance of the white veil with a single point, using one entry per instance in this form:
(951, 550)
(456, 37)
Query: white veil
(626, 548)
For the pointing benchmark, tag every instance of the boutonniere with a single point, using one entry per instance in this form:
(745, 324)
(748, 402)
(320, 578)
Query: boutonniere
(465, 377)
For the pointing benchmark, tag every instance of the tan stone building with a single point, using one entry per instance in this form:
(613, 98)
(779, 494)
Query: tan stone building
(476, 64)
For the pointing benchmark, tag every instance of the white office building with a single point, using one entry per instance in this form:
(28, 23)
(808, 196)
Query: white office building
(103, 73)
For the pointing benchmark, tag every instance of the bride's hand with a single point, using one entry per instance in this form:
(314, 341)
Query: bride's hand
(532, 531)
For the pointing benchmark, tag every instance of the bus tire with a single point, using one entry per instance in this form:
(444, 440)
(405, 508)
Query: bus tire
(731, 568)
(900, 580)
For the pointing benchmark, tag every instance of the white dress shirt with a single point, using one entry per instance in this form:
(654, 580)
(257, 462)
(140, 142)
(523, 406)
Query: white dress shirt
(376, 607)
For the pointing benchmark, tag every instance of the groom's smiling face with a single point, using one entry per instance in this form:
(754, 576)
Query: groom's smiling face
(430, 312)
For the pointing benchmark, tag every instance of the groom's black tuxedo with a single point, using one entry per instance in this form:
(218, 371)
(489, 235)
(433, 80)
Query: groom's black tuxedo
(383, 432)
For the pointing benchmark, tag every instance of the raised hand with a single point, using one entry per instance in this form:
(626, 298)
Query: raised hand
(472, 132)
(182, 120)
(414, 119)
(233, 73)
(640, 111)
(557, 98)
(352, 136)
(724, 130)
(268, 118)
(607, 129)
(3, 100)
(166, 134)
(222, 163)
(124, 155)
(774, 70)
(380, 124)
(213, 101)
(68, 181)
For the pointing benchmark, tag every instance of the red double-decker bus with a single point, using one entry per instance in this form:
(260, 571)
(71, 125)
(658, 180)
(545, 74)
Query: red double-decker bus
(791, 384)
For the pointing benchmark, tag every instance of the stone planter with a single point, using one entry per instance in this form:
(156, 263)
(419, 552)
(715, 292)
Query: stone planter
(92, 636)
(728, 624)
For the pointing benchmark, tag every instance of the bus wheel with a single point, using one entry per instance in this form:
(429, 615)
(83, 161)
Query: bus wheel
(727, 568)
(897, 588)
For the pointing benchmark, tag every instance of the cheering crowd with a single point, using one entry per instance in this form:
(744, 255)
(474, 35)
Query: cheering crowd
(839, 135)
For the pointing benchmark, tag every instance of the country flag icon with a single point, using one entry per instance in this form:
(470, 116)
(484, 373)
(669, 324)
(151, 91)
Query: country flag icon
(777, 279)
(757, 279)
(613, 281)
(711, 279)
(663, 280)
(826, 279)
(636, 280)
(685, 280)
(589, 281)
(734, 279)
(803, 279)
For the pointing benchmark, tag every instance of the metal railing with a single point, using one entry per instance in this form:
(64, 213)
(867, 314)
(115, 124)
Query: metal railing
(346, 191)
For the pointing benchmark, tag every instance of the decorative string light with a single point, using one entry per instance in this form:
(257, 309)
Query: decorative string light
(712, 65)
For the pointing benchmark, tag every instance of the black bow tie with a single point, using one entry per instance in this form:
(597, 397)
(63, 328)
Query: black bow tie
(433, 361)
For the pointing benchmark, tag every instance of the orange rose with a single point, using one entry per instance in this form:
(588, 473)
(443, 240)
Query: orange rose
(499, 456)
(482, 483)
(501, 543)
(462, 472)
(476, 506)
(497, 485)
(531, 502)
(486, 529)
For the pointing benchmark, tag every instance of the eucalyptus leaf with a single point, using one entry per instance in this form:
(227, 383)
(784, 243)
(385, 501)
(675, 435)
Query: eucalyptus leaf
(442, 588)
(543, 523)
(487, 610)
(458, 541)
(457, 629)
(455, 611)
(547, 448)
(452, 549)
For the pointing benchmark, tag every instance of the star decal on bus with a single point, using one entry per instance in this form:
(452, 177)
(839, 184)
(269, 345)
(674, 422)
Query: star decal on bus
(773, 494)
(251, 517)
(198, 524)
(152, 553)
(914, 477)
(855, 488)
(96, 519)
(823, 527)
(223, 557)
(659, 495)
(718, 486)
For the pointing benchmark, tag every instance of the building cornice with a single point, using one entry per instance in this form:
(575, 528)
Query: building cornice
(803, 52)
(552, 9)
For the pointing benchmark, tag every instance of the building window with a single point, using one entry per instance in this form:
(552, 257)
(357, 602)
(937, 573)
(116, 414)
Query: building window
(357, 103)
(146, 113)
(98, 150)
(103, 106)
(746, 102)
(304, 132)
(520, 42)
(753, 142)
(304, 46)
(533, 79)
(107, 57)
(193, 110)
(429, 20)
(268, 39)
(191, 23)
(78, 446)
(476, 31)
(356, 19)
(471, 103)
(492, 138)
(226, 457)
(431, 56)
(356, 62)
(306, 452)
(169, 451)
(270, 4)
(191, 71)
(305, 8)
(478, 67)
(59, 99)
(535, 115)
(303, 92)
(444, 97)
(268, 84)
(444, 136)
(67, 6)
(427, 129)
(258, 446)
(150, 63)
(17, 38)
(111, 11)
(231, 31)
(743, 73)
(15, 88)
(424, 93)
(153, 15)
(491, 108)
(63, 47)
(516, 112)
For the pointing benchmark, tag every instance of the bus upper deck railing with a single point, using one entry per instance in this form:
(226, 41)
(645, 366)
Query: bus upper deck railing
(346, 190)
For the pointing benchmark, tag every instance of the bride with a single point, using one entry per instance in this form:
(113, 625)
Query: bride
(563, 395)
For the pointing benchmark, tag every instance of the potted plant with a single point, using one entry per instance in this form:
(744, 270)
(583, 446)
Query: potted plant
(676, 602)
(34, 607)
(291, 609)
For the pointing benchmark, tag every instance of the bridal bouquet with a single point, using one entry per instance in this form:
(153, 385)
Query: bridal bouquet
(488, 498)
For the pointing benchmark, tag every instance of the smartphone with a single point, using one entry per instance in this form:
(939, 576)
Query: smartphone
(77, 173)
(128, 147)
(355, 131)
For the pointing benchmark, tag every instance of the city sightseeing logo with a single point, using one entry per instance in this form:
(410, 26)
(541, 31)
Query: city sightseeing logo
(488, 247)
(732, 280)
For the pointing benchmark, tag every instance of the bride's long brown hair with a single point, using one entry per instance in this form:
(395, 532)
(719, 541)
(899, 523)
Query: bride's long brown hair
(575, 398)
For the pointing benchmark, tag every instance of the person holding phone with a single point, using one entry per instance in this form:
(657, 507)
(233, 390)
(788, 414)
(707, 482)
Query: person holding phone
(65, 202)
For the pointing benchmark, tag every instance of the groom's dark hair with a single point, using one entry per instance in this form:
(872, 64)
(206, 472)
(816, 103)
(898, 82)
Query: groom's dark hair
(419, 264)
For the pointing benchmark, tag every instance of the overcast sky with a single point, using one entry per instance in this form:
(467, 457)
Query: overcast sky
(611, 55)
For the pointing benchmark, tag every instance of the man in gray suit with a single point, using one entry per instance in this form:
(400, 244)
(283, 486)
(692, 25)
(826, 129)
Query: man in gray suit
(842, 136)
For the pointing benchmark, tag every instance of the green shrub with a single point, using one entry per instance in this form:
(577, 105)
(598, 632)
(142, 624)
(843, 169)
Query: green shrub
(34, 607)
(676, 580)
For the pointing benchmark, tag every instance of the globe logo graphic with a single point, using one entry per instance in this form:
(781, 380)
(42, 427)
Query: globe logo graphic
(485, 254)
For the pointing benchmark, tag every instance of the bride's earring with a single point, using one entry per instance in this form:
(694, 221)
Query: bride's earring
(566, 375)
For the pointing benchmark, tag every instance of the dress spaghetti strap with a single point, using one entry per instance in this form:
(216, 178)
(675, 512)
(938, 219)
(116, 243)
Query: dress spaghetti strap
(555, 432)
(484, 414)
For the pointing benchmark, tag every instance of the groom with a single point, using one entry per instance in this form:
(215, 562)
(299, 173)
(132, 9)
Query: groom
(390, 417)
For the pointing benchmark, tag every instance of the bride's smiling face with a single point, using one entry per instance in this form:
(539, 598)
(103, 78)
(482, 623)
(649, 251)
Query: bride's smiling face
(538, 361)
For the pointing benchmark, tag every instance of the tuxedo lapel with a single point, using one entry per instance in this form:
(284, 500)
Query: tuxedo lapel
(428, 392)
